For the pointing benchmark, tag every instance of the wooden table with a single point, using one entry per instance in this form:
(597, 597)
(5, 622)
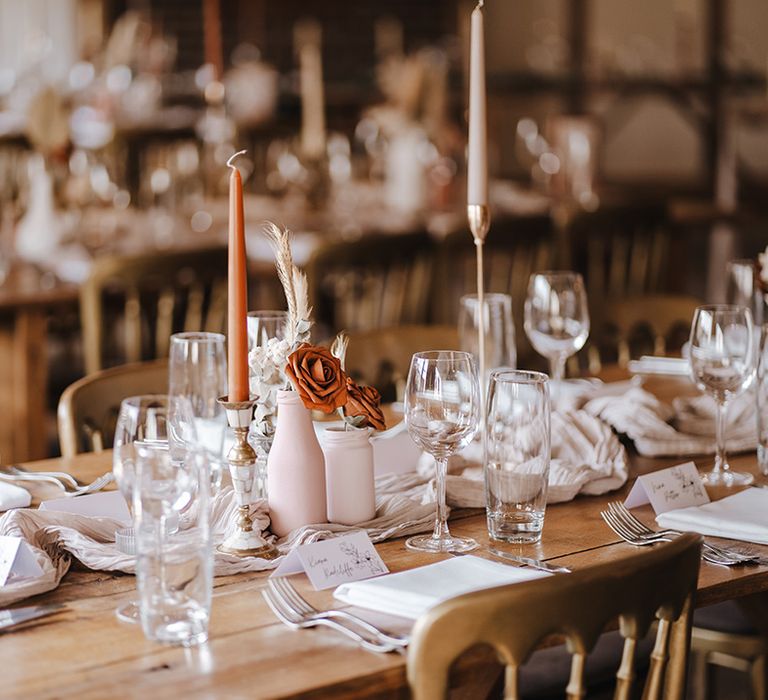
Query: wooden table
(86, 653)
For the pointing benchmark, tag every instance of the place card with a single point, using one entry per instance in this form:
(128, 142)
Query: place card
(329, 563)
(109, 504)
(669, 489)
(17, 560)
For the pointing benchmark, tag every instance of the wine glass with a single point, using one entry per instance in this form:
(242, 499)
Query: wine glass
(556, 317)
(722, 365)
(144, 421)
(498, 326)
(442, 411)
(264, 325)
(743, 289)
(198, 372)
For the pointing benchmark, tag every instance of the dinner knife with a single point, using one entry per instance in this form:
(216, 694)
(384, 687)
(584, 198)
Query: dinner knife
(529, 561)
(11, 618)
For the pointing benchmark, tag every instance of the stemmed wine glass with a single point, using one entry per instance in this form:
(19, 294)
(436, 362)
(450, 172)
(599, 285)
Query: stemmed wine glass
(723, 366)
(151, 420)
(442, 412)
(556, 317)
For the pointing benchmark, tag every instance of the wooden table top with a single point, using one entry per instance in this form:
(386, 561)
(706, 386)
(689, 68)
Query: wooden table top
(86, 653)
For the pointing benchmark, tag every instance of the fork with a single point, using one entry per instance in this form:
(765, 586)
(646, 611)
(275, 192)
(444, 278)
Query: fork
(295, 621)
(642, 530)
(283, 588)
(18, 470)
(70, 487)
(627, 535)
(96, 485)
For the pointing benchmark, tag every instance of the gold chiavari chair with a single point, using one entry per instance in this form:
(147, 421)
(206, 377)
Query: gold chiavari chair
(89, 407)
(130, 306)
(381, 357)
(379, 280)
(656, 586)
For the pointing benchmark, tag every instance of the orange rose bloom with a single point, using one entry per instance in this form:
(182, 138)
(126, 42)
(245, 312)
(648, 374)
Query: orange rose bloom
(317, 377)
(364, 401)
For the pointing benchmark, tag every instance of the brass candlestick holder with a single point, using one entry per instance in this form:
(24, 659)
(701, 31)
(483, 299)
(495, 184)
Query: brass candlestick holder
(244, 541)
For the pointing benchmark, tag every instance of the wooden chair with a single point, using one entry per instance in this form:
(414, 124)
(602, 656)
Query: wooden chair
(513, 620)
(379, 280)
(88, 408)
(381, 357)
(129, 306)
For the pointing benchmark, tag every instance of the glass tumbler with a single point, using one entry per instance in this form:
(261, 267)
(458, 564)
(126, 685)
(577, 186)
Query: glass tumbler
(499, 331)
(174, 567)
(517, 455)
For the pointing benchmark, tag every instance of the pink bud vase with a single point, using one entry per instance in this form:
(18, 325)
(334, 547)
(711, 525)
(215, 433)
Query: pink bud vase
(295, 469)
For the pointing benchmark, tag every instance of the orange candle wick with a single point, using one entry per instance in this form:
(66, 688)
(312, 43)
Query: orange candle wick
(237, 289)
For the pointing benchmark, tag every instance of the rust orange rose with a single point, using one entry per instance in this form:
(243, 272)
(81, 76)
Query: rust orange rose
(317, 377)
(364, 401)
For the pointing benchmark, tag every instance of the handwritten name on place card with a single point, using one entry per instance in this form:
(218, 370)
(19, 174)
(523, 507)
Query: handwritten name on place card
(330, 563)
(669, 489)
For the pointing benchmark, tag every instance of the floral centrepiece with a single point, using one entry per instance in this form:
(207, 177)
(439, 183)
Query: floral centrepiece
(317, 376)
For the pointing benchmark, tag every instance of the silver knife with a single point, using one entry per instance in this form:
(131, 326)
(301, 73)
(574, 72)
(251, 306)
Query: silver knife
(11, 618)
(528, 561)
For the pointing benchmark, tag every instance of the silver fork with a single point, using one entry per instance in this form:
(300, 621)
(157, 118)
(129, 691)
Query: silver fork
(292, 619)
(621, 530)
(96, 485)
(642, 530)
(282, 587)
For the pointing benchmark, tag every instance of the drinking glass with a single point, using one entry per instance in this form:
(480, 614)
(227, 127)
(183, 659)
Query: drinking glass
(556, 317)
(517, 455)
(742, 289)
(174, 566)
(499, 331)
(442, 409)
(198, 372)
(762, 401)
(151, 419)
(722, 365)
(265, 324)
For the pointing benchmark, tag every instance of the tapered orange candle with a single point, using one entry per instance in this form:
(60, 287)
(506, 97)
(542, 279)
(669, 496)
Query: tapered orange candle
(237, 304)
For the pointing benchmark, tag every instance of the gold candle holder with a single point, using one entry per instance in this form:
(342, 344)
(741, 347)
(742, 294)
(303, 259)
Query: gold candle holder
(244, 541)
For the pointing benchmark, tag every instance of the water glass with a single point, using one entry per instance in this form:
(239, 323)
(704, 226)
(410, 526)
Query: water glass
(263, 325)
(442, 409)
(198, 372)
(498, 326)
(174, 567)
(556, 317)
(517, 455)
(762, 402)
(743, 289)
(722, 358)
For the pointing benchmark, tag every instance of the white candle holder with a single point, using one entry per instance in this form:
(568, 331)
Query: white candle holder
(244, 541)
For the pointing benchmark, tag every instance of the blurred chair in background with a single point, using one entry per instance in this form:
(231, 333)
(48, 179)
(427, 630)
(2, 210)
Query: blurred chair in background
(381, 357)
(130, 306)
(88, 408)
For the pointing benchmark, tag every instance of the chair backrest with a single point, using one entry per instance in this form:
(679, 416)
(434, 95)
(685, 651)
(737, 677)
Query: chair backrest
(513, 620)
(381, 357)
(652, 324)
(129, 306)
(89, 407)
(378, 280)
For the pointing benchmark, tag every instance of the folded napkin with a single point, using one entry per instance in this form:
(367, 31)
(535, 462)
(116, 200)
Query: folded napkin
(12, 496)
(411, 593)
(737, 517)
(661, 430)
(586, 458)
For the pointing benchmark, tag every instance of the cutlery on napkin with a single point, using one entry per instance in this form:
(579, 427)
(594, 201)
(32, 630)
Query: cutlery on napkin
(411, 593)
(737, 517)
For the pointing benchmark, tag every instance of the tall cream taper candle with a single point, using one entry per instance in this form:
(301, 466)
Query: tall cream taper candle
(477, 156)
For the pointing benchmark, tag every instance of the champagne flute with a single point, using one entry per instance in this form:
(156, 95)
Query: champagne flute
(723, 366)
(442, 412)
(556, 317)
(151, 420)
(198, 372)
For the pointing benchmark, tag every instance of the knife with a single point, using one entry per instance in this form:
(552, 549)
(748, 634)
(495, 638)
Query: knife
(528, 561)
(11, 618)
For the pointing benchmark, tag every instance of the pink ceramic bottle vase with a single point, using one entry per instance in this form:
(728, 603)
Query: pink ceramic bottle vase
(295, 469)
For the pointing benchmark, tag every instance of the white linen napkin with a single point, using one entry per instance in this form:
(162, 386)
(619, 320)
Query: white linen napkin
(12, 496)
(411, 593)
(586, 458)
(661, 430)
(738, 517)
